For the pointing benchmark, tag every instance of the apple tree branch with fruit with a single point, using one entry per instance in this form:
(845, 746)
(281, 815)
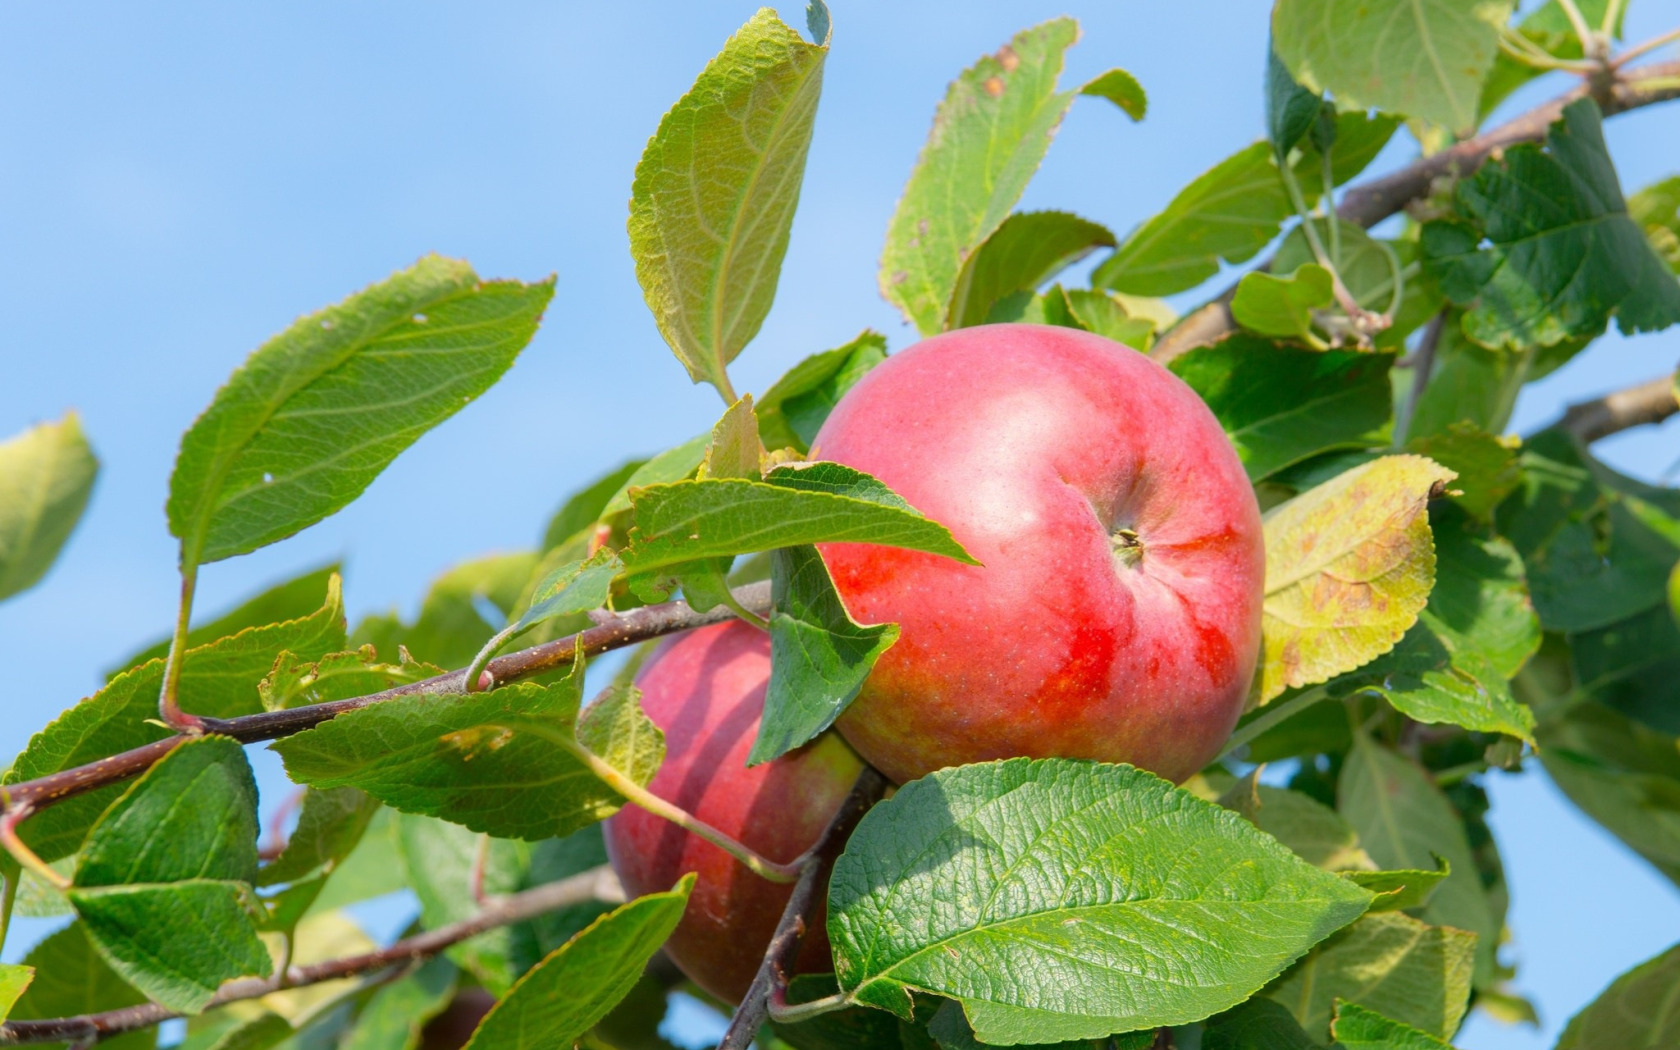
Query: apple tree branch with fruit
(953, 672)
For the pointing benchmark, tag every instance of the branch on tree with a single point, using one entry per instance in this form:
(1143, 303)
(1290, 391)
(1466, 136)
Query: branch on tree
(1619, 410)
(622, 629)
(771, 980)
(1371, 202)
(596, 884)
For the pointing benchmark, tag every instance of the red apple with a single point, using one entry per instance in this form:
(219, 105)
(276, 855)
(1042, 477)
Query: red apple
(1117, 612)
(705, 689)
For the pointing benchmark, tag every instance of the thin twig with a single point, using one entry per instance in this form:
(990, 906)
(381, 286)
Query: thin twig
(1423, 362)
(771, 979)
(1371, 202)
(1650, 402)
(595, 884)
(629, 628)
(1646, 47)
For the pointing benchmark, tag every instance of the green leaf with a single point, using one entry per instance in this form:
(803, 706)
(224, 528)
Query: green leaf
(1066, 900)
(989, 135)
(1316, 833)
(1026, 250)
(1562, 254)
(553, 860)
(794, 408)
(615, 728)
(1280, 405)
(1282, 306)
(1357, 1028)
(1103, 313)
(674, 464)
(176, 941)
(265, 1030)
(567, 993)
(1349, 565)
(587, 506)
(1388, 961)
(218, 680)
(313, 416)
(337, 676)
(1632, 666)
(330, 825)
(1424, 60)
(950, 1031)
(852, 1028)
(1636, 1010)
(392, 1019)
(1548, 26)
(71, 979)
(506, 762)
(1368, 271)
(715, 192)
(439, 859)
(367, 873)
(1227, 214)
(819, 655)
(1122, 89)
(1259, 1024)
(1656, 209)
(1596, 549)
(1399, 890)
(1622, 774)
(688, 520)
(1486, 465)
(46, 476)
(1290, 108)
(291, 600)
(149, 836)
(451, 628)
(1404, 822)
(734, 451)
(574, 587)
(13, 981)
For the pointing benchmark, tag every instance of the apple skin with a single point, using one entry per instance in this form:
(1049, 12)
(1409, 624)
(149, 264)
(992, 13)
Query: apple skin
(1035, 445)
(705, 689)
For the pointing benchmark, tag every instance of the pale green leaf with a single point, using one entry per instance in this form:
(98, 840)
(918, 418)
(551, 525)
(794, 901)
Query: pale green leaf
(392, 1019)
(1656, 209)
(1105, 314)
(1420, 58)
(587, 506)
(615, 728)
(734, 451)
(1120, 88)
(715, 192)
(1282, 306)
(574, 587)
(46, 476)
(1637, 1010)
(13, 981)
(330, 825)
(674, 464)
(1399, 890)
(313, 416)
(1026, 250)
(1066, 900)
(989, 135)
(338, 676)
(439, 860)
(1313, 830)
(1349, 565)
(70, 979)
(451, 627)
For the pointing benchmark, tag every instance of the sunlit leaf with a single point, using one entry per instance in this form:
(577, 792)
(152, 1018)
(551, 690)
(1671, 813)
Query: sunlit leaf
(46, 476)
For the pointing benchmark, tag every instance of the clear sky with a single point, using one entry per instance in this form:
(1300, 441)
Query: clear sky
(177, 182)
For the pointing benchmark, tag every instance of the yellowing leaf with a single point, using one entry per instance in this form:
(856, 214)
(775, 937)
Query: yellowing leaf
(1349, 565)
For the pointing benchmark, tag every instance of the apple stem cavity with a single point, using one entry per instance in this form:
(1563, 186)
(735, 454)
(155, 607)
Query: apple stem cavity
(1128, 548)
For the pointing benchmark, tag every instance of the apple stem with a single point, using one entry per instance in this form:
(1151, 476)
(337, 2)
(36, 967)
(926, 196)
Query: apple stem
(638, 795)
(1246, 733)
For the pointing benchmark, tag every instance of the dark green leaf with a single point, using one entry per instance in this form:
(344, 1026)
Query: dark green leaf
(950, 1031)
(1420, 60)
(1282, 306)
(218, 680)
(1563, 253)
(564, 996)
(1259, 1024)
(46, 476)
(330, 824)
(1637, 1010)
(819, 655)
(1281, 405)
(792, 411)
(1122, 89)
(1074, 899)
(291, 600)
(261, 1032)
(71, 979)
(1026, 250)
(1387, 961)
(853, 1028)
(1404, 822)
(988, 138)
(313, 416)
(506, 762)
(394, 1016)
(552, 860)
(715, 193)
(584, 508)
(1290, 108)
(1634, 667)
(1357, 1028)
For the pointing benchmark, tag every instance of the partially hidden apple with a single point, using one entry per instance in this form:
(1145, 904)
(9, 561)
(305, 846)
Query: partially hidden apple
(1116, 615)
(705, 689)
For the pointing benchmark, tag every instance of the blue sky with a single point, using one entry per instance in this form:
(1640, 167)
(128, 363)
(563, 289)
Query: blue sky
(178, 182)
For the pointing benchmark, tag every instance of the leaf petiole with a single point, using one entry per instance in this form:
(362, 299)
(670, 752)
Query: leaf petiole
(792, 1013)
(21, 853)
(168, 708)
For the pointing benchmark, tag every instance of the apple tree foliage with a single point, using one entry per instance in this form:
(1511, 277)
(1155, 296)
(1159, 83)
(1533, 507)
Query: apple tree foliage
(1442, 598)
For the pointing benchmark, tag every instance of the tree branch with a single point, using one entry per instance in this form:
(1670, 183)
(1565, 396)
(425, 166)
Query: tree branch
(595, 884)
(629, 628)
(1371, 202)
(1650, 402)
(771, 979)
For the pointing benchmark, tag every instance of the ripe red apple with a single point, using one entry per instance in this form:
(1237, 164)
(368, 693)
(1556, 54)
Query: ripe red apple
(705, 689)
(1117, 612)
